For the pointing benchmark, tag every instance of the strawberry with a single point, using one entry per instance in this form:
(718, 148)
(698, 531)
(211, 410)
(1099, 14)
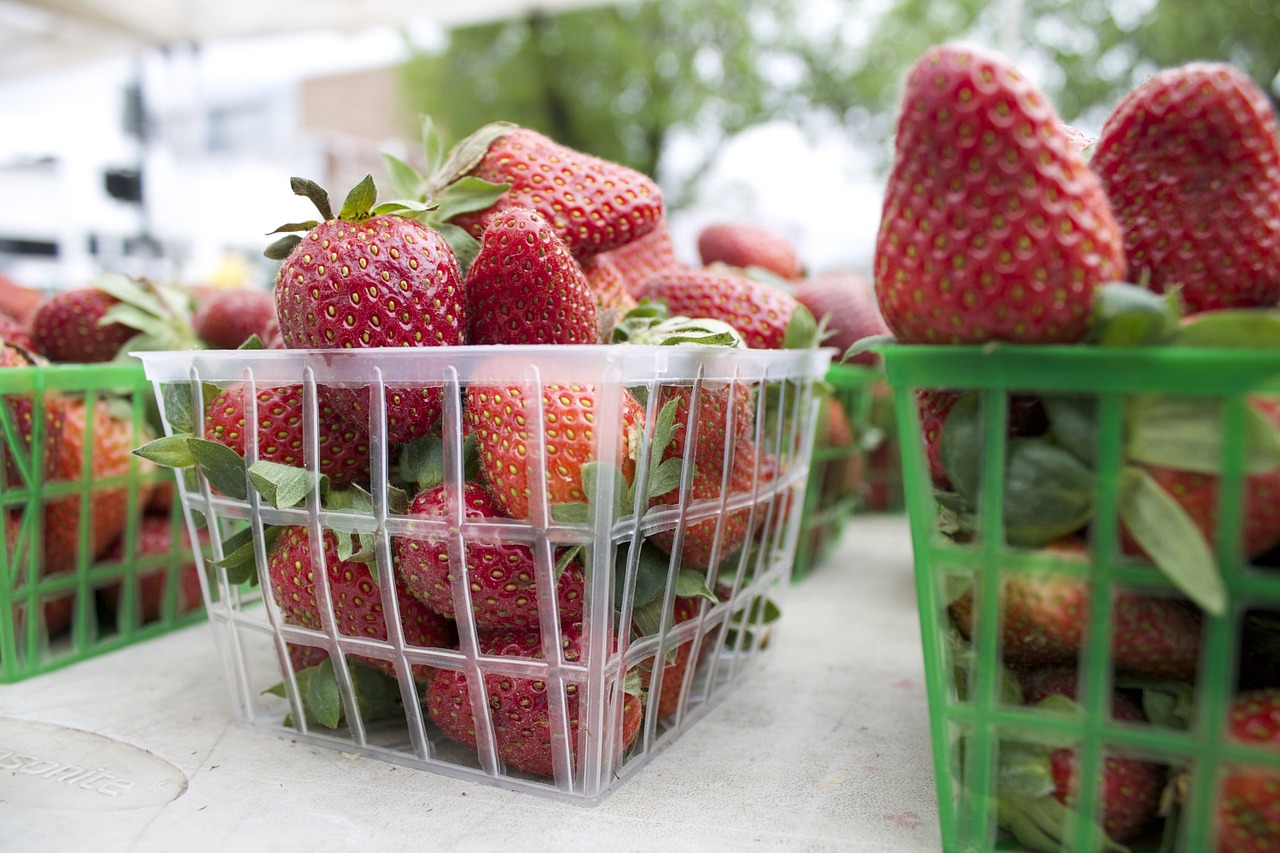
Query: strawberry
(109, 457)
(592, 204)
(21, 412)
(365, 280)
(525, 288)
(225, 319)
(66, 327)
(357, 602)
(509, 435)
(743, 245)
(501, 575)
(1249, 799)
(934, 406)
(644, 256)
(153, 545)
(518, 706)
(848, 302)
(613, 298)
(1190, 160)
(15, 332)
(343, 447)
(56, 610)
(677, 669)
(1044, 616)
(760, 312)
(1130, 788)
(993, 227)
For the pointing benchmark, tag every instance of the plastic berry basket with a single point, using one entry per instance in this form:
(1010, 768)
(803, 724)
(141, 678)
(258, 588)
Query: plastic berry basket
(73, 586)
(591, 726)
(974, 721)
(837, 485)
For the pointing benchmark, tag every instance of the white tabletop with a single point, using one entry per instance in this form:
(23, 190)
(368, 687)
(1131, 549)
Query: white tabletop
(825, 748)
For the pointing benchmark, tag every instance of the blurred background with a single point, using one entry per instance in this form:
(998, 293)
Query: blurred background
(157, 137)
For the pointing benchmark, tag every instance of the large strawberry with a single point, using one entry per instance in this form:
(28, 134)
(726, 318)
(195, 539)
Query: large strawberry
(525, 288)
(1044, 617)
(343, 446)
(294, 567)
(518, 706)
(512, 440)
(501, 576)
(760, 312)
(97, 442)
(1190, 160)
(67, 328)
(592, 204)
(1130, 787)
(744, 244)
(644, 256)
(152, 549)
(364, 280)
(1249, 798)
(993, 226)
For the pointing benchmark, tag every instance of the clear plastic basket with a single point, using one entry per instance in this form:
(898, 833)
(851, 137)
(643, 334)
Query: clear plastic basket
(593, 729)
(975, 722)
(76, 579)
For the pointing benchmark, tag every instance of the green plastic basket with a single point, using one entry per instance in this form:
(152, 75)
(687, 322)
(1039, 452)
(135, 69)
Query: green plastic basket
(970, 722)
(836, 486)
(101, 595)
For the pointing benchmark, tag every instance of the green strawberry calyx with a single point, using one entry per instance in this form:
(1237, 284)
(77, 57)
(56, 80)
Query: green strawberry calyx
(651, 324)
(376, 694)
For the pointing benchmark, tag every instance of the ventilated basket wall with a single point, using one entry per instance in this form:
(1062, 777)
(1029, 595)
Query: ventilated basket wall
(262, 646)
(971, 724)
(75, 578)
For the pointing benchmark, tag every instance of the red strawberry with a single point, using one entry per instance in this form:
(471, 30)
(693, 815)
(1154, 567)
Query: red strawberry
(109, 457)
(357, 601)
(592, 204)
(1044, 616)
(613, 298)
(525, 288)
(65, 327)
(1130, 788)
(934, 406)
(518, 706)
(644, 256)
(1190, 160)
(993, 227)
(1249, 799)
(501, 575)
(225, 319)
(16, 332)
(370, 281)
(155, 542)
(848, 301)
(343, 447)
(677, 669)
(742, 245)
(503, 419)
(758, 311)
(22, 412)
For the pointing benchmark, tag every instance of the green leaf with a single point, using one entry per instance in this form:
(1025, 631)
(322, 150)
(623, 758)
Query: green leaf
(1237, 328)
(1024, 770)
(360, 200)
(1165, 531)
(284, 486)
(315, 193)
(253, 342)
(405, 180)
(651, 574)
(1073, 424)
(467, 195)
(403, 207)
(221, 466)
(871, 343)
(135, 317)
(323, 699)
(239, 560)
(676, 331)
(132, 292)
(802, 330)
(170, 452)
(295, 226)
(1048, 493)
(422, 462)
(691, 584)
(1127, 315)
(572, 513)
(666, 477)
(1186, 433)
(282, 248)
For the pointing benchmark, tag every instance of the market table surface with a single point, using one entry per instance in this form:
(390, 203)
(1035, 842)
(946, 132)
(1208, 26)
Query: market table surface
(824, 748)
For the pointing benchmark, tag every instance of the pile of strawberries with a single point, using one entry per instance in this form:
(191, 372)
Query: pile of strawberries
(1001, 224)
(507, 240)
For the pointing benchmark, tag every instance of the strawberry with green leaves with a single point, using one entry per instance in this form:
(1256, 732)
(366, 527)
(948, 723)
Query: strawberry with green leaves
(513, 441)
(1190, 161)
(370, 277)
(1248, 818)
(293, 568)
(760, 312)
(343, 446)
(501, 576)
(993, 226)
(744, 245)
(67, 328)
(592, 204)
(525, 288)
(518, 706)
